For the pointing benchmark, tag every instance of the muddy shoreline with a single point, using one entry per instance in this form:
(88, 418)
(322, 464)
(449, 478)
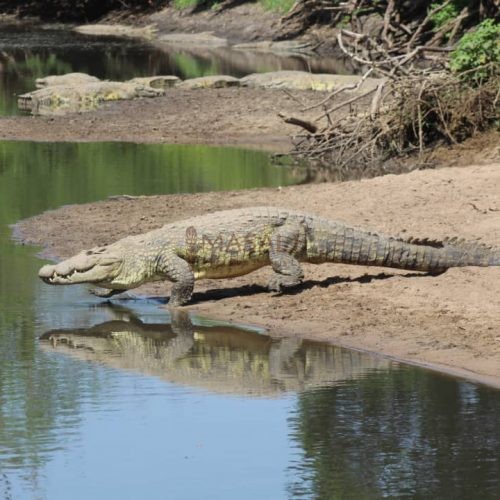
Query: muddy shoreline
(450, 322)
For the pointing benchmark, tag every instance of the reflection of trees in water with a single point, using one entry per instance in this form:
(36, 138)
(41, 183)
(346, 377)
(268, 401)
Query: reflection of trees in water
(405, 432)
(40, 403)
(314, 172)
(199, 61)
(219, 359)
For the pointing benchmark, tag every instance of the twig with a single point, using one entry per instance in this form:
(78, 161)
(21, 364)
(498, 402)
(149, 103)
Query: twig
(289, 94)
(352, 86)
(346, 103)
(387, 20)
(420, 120)
(360, 60)
(375, 105)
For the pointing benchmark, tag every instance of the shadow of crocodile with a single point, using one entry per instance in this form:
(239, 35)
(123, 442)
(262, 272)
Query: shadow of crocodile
(247, 290)
(215, 358)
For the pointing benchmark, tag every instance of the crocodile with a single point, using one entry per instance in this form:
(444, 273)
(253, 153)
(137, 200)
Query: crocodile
(67, 79)
(81, 97)
(236, 242)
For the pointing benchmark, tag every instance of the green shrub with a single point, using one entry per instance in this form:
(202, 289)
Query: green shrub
(184, 4)
(480, 50)
(281, 6)
(440, 18)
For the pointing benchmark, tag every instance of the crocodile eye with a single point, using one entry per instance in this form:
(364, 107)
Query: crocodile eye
(96, 252)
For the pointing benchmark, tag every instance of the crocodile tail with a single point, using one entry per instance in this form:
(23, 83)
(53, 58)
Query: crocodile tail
(416, 254)
(456, 252)
(348, 245)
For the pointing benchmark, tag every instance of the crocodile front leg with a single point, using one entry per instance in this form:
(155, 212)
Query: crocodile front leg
(179, 272)
(286, 241)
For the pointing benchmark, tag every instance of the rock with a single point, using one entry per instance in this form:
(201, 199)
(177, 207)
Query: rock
(201, 39)
(157, 82)
(210, 82)
(67, 79)
(302, 80)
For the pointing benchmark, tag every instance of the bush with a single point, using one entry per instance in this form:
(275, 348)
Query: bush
(185, 4)
(280, 6)
(445, 15)
(478, 53)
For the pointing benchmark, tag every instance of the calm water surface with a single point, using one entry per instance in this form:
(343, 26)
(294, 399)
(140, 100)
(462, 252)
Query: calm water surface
(30, 52)
(114, 402)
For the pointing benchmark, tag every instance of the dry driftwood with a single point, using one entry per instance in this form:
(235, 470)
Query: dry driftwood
(404, 116)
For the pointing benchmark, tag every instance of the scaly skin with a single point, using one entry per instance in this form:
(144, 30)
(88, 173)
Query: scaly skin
(89, 93)
(236, 242)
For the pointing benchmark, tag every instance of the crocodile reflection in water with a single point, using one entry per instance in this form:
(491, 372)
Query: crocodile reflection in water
(216, 358)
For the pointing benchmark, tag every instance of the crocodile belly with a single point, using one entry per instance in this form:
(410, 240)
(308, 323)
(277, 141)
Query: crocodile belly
(229, 270)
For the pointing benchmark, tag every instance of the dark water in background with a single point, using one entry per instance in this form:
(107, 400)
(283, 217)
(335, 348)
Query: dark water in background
(121, 405)
(115, 403)
(30, 52)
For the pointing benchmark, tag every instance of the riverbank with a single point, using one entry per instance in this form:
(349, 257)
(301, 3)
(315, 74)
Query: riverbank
(234, 116)
(450, 321)
(227, 116)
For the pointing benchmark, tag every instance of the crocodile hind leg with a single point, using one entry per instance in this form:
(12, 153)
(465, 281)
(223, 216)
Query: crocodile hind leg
(179, 272)
(287, 241)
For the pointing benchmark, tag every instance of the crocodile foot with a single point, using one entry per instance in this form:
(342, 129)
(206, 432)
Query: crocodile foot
(103, 293)
(279, 283)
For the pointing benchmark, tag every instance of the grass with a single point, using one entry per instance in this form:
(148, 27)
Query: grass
(280, 6)
(184, 4)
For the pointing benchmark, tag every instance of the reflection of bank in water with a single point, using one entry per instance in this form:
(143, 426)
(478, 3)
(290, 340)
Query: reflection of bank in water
(216, 358)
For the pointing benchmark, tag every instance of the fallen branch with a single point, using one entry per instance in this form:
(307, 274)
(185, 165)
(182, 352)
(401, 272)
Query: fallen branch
(310, 127)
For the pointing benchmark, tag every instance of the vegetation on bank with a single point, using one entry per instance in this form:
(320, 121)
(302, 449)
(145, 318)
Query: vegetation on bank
(477, 54)
(430, 95)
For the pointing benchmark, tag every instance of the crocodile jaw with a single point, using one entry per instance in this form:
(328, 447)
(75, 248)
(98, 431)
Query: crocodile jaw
(91, 266)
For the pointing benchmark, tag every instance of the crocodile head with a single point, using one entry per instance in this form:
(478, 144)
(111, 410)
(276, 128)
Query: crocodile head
(99, 265)
(142, 90)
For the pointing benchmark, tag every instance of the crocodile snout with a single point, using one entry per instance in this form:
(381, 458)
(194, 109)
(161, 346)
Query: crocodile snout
(46, 271)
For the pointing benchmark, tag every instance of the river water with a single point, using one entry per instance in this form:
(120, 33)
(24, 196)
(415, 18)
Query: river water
(121, 401)
(28, 52)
